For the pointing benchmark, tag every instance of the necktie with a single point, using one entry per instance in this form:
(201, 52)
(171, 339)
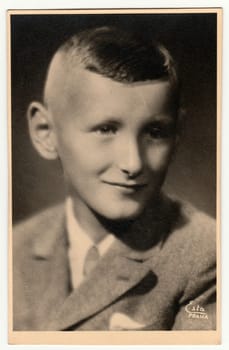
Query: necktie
(91, 260)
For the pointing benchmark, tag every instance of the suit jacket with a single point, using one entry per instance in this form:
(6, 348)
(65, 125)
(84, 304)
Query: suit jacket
(159, 276)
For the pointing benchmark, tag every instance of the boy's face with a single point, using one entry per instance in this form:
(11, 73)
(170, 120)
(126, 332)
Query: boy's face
(115, 142)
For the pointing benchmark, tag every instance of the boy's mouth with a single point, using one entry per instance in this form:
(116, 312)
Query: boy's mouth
(131, 186)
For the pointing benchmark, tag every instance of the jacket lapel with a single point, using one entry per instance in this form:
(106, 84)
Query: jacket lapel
(114, 275)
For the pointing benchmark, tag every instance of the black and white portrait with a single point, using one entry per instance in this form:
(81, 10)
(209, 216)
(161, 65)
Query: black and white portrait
(114, 177)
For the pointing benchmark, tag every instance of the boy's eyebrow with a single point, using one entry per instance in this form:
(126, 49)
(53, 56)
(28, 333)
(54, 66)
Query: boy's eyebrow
(109, 120)
(167, 115)
(164, 118)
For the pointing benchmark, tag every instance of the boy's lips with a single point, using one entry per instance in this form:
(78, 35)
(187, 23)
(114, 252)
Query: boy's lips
(128, 185)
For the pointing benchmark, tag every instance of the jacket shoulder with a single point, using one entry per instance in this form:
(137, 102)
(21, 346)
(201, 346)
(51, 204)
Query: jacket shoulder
(192, 239)
(35, 226)
(195, 225)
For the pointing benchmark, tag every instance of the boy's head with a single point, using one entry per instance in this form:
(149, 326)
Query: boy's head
(110, 114)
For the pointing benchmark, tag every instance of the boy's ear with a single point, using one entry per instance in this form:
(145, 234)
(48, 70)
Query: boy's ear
(41, 131)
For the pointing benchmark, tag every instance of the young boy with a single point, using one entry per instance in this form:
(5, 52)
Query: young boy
(119, 255)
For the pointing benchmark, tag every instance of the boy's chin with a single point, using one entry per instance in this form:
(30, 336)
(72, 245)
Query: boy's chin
(123, 214)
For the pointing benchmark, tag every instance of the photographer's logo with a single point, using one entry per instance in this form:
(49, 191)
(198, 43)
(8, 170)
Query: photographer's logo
(195, 311)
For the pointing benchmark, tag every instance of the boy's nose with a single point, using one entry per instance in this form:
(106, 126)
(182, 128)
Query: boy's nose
(130, 158)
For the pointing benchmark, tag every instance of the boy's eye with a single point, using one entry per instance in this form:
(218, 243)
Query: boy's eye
(155, 132)
(106, 129)
(160, 131)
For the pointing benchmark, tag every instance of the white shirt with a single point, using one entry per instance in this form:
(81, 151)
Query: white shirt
(79, 244)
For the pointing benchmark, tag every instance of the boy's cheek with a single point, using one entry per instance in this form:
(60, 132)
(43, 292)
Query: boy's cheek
(159, 159)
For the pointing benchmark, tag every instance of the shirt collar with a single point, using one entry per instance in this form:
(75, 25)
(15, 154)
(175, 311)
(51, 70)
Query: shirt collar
(77, 236)
(79, 244)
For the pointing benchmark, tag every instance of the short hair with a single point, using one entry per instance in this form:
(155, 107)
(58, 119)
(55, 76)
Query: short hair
(121, 55)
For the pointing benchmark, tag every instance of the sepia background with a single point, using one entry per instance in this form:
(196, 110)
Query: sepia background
(191, 38)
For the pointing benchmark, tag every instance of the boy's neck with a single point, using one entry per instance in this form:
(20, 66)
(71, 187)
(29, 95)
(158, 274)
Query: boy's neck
(96, 226)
